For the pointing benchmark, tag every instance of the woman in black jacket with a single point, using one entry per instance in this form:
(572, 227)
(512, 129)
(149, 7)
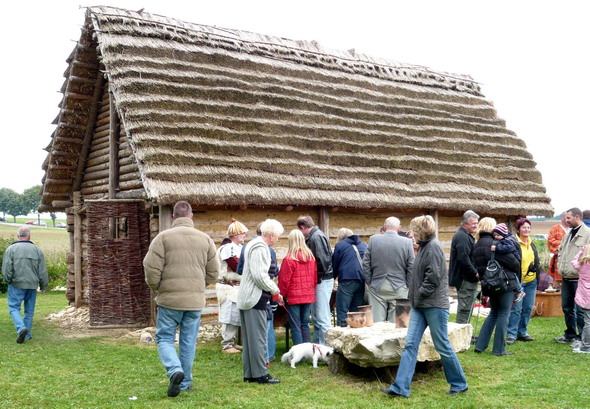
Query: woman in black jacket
(500, 304)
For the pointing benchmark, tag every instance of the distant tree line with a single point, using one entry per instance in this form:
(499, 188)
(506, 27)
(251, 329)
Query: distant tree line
(16, 204)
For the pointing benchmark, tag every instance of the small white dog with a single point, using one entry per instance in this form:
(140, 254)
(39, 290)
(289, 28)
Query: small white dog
(308, 351)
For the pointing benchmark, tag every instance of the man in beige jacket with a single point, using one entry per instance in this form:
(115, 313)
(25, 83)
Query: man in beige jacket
(180, 263)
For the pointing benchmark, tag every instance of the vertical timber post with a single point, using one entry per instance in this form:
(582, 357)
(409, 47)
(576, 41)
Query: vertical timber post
(77, 251)
(324, 221)
(435, 216)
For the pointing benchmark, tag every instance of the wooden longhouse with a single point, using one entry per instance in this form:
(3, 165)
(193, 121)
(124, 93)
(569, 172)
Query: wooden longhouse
(249, 126)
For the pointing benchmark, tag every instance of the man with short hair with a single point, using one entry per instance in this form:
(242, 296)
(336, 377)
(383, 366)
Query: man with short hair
(462, 273)
(574, 240)
(180, 263)
(319, 245)
(24, 271)
(386, 266)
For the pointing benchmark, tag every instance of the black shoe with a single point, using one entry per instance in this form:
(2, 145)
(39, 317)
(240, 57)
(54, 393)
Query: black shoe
(526, 338)
(504, 353)
(249, 379)
(392, 393)
(477, 351)
(510, 341)
(21, 335)
(267, 379)
(451, 392)
(175, 381)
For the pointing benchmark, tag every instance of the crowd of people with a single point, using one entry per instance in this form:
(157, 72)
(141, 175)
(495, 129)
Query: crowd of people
(510, 311)
(392, 266)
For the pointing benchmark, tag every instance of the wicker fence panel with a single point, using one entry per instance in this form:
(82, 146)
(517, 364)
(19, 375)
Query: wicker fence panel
(118, 294)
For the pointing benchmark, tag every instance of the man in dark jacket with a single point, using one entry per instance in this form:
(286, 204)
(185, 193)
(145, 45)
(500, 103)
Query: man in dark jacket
(462, 274)
(24, 271)
(319, 245)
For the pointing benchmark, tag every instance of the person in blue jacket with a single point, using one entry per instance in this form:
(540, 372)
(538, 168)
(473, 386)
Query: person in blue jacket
(347, 267)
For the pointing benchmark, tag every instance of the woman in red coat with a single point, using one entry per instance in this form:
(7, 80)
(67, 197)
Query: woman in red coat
(297, 282)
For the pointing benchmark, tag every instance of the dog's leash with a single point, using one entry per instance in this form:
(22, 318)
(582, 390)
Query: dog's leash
(301, 329)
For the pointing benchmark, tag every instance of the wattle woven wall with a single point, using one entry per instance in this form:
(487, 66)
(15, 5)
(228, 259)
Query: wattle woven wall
(118, 294)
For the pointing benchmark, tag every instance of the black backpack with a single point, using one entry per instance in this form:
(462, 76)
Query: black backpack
(494, 280)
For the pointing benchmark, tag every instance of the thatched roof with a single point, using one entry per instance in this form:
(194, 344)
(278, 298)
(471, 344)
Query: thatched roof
(222, 116)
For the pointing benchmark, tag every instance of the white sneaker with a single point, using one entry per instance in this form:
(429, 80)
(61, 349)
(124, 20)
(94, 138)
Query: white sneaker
(576, 344)
(582, 350)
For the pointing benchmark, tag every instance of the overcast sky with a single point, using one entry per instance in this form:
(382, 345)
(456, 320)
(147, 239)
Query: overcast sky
(530, 57)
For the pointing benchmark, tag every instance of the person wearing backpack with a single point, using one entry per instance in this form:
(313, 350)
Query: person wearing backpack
(500, 301)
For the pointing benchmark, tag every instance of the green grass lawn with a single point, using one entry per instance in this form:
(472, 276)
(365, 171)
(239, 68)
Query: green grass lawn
(56, 370)
(48, 238)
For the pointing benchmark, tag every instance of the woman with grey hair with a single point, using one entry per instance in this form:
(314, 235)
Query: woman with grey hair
(256, 290)
(428, 294)
(347, 265)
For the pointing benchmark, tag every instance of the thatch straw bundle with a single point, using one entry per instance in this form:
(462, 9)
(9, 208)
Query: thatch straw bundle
(229, 117)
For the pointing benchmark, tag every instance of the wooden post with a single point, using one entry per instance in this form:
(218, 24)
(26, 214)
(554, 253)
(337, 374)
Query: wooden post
(436, 218)
(89, 131)
(113, 148)
(164, 218)
(77, 251)
(324, 221)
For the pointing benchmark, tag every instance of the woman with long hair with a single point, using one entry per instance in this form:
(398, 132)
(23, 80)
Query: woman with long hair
(297, 281)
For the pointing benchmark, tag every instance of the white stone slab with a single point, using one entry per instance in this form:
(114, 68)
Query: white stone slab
(382, 343)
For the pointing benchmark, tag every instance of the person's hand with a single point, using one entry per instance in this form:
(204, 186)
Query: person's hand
(493, 248)
(281, 300)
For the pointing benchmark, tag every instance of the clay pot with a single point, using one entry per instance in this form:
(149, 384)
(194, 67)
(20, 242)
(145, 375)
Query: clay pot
(356, 319)
(368, 310)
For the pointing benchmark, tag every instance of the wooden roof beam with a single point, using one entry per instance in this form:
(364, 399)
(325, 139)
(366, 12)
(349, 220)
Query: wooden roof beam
(94, 107)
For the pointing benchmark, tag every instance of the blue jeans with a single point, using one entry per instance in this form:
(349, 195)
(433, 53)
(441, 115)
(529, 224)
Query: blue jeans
(271, 338)
(16, 296)
(521, 312)
(299, 317)
(321, 313)
(349, 296)
(573, 314)
(436, 319)
(189, 322)
(500, 306)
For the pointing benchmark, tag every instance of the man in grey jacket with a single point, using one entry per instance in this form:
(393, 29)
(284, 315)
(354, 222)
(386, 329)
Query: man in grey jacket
(24, 271)
(386, 267)
(574, 240)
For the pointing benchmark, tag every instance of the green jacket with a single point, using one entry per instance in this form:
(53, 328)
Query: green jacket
(24, 266)
(180, 263)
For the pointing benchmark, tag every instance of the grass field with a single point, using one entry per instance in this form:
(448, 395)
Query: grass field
(48, 238)
(58, 369)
